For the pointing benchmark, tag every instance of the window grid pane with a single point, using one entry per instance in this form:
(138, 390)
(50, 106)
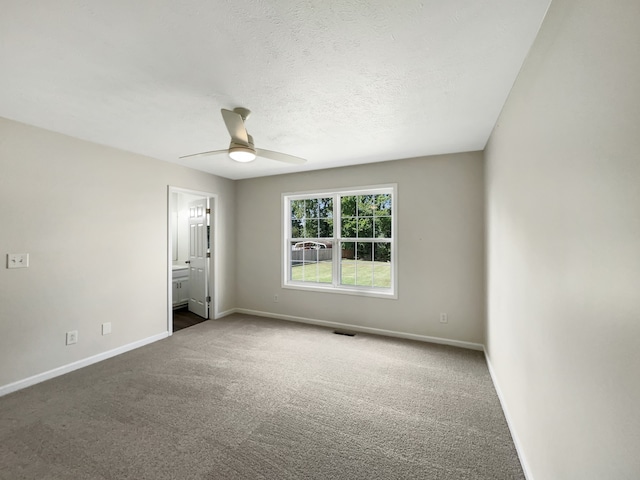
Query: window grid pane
(311, 261)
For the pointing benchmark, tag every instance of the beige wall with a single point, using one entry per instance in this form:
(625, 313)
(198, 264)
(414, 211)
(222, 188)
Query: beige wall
(94, 221)
(440, 248)
(563, 226)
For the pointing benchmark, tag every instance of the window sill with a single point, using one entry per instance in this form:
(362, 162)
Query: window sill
(315, 287)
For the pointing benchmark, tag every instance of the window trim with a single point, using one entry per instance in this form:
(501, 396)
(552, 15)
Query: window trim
(335, 287)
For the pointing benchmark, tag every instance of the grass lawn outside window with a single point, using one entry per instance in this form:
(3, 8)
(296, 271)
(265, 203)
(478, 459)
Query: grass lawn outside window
(353, 272)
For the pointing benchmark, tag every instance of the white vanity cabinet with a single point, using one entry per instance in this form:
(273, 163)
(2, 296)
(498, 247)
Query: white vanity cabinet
(180, 286)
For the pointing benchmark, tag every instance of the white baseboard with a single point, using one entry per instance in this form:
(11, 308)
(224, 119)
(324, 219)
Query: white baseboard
(225, 313)
(523, 459)
(357, 328)
(41, 377)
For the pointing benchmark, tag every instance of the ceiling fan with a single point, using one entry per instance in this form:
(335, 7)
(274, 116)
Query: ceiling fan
(241, 149)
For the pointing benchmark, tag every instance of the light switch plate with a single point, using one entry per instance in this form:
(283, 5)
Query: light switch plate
(17, 260)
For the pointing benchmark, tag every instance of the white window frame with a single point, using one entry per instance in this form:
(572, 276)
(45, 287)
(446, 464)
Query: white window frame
(336, 287)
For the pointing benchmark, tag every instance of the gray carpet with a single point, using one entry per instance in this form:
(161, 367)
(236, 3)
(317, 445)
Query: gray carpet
(252, 398)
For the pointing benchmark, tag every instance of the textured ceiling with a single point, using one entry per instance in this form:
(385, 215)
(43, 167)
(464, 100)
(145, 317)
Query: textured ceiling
(338, 82)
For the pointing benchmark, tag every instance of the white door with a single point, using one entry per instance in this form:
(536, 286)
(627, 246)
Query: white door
(198, 260)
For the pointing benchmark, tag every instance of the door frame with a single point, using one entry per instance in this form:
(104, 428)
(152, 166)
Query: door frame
(214, 242)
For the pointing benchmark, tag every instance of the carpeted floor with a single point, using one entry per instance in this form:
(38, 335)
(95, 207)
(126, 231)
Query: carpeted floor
(251, 398)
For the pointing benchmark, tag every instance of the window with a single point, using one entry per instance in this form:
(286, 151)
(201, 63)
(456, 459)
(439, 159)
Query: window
(341, 241)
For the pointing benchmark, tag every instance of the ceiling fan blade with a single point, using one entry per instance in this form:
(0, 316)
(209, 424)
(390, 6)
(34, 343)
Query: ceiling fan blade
(235, 125)
(280, 157)
(204, 154)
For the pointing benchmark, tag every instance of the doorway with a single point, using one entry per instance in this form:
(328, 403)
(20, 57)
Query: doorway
(192, 233)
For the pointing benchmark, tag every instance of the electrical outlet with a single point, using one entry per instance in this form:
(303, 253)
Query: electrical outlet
(275, 299)
(17, 260)
(444, 318)
(72, 337)
(106, 328)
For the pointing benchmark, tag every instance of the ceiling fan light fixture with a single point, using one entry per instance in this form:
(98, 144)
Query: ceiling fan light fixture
(242, 154)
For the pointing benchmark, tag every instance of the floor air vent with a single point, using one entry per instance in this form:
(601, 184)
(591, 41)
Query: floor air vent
(347, 334)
